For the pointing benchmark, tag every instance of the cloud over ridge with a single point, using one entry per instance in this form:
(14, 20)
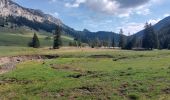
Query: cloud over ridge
(114, 7)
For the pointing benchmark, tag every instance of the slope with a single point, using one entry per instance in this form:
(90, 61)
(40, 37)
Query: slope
(17, 38)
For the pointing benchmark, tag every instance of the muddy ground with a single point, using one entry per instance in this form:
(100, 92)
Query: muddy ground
(9, 63)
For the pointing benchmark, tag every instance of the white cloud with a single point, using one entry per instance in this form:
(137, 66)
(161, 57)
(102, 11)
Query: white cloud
(143, 10)
(166, 15)
(158, 1)
(154, 21)
(121, 8)
(52, 1)
(131, 28)
(75, 4)
(56, 14)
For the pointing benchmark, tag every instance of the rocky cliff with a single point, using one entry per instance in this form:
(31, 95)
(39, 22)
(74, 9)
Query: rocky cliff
(8, 7)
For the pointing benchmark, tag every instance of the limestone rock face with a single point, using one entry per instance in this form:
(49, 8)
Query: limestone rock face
(8, 7)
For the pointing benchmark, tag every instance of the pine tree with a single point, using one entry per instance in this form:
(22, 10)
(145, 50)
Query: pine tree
(70, 44)
(157, 44)
(121, 39)
(105, 43)
(131, 43)
(146, 36)
(79, 43)
(97, 42)
(57, 38)
(166, 42)
(150, 39)
(35, 42)
(2, 22)
(113, 42)
(134, 41)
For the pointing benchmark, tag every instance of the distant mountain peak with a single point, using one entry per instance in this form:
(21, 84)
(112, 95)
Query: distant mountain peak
(17, 16)
(10, 8)
(86, 30)
(163, 24)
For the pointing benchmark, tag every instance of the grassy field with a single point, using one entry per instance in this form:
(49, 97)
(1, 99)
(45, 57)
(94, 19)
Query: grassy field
(87, 74)
(11, 39)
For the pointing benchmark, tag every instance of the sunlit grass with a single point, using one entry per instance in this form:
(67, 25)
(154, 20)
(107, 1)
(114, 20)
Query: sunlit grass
(77, 74)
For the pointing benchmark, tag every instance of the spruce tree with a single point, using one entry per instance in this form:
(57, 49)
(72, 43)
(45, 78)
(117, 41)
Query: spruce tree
(97, 42)
(57, 38)
(157, 44)
(70, 44)
(150, 39)
(131, 43)
(134, 41)
(121, 39)
(79, 43)
(2, 22)
(166, 42)
(146, 36)
(113, 42)
(35, 42)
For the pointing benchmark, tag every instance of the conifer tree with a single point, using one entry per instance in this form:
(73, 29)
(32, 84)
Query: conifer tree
(113, 42)
(150, 39)
(157, 44)
(57, 38)
(35, 43)
(2, 22)
(131, 43)
(97, 42)
(121, 39)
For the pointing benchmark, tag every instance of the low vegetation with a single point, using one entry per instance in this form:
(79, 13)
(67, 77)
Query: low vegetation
(102, 74)
(22, 40)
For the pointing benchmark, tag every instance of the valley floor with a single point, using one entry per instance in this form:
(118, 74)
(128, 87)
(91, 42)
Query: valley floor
(85, 74)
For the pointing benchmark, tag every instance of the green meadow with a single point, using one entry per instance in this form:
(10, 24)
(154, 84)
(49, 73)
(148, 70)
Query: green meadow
(22, 40)
(87, 74)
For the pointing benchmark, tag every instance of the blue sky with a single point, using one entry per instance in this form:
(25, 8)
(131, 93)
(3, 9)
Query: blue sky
(103, 15)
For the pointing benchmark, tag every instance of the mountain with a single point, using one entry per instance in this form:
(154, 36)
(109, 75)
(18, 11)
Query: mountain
(163, 23)
(8, 7)
(101, 35)
(158, 26)
(162, 28)
(20, 16)
(14, 16)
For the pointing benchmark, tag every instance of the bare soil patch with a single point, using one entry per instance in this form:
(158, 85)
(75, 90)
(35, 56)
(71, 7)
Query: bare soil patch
(90, 74)
(14, 80)
(9, 63)
(101, 56)
(66, 67)
(166, 90)
(119, 58)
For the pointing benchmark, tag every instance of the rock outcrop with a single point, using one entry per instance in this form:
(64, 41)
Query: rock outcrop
(10, 8)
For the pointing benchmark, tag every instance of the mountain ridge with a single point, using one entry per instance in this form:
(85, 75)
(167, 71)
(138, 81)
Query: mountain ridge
(158, 26)
(37, 20)
(9, 7)
(162, 30)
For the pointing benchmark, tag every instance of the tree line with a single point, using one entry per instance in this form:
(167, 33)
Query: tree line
(148, 41)
(57, 43)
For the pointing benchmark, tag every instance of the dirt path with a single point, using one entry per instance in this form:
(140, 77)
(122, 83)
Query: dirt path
(9, 63)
